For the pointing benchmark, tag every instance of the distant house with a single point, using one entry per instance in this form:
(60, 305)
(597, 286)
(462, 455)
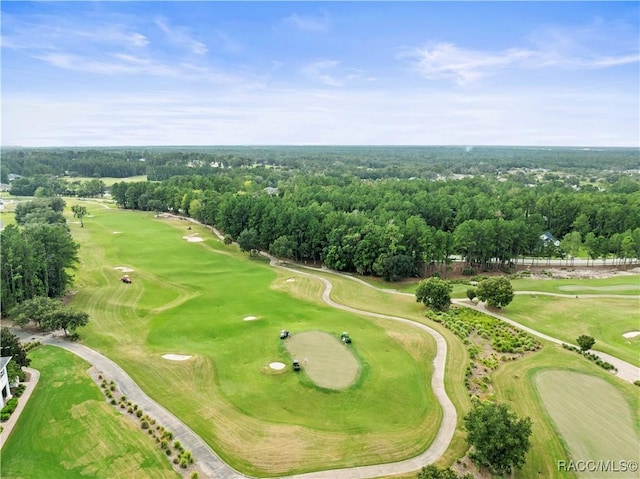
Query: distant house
(12, 177)
(4, 187)
(4, 380)
(271, 190)
(547, 238)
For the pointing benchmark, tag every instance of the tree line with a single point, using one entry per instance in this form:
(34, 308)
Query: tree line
(38, 253)
(396, 228)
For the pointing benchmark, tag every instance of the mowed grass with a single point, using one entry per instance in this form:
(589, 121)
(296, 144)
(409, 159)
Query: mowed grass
(605, 319)
(609, 434)
(621, 284)
(351, 293)
(191, 298)
(515, 383)
(108, 181)
(68, 430)
(324, 359)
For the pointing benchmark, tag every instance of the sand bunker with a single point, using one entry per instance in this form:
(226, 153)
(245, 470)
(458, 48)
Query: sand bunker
(124, 269)
(631, 334)
(117, 232)
(250, 318)
(276, 366)
(193, 239)
(176, 357)
(290, 280)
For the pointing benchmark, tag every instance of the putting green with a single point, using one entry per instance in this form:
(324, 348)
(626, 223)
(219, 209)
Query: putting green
(592, 417)
(328, 363)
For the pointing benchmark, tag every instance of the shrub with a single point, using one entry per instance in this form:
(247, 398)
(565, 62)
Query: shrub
(194, 475)
(637, 383)
(130, 410)
(10, 405)
(114, 402)
(471, 293)
(184, 463)
(4, 416)
(177, 445)
(144, 425)
(468, 271)
(176, 460)
(139, 412)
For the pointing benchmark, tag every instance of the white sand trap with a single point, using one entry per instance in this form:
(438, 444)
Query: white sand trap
(176, 357)
(193, 239)
(290, 280)
(276, 366)
(631, 334)
(250, 318)
(124, 269)
(117, 232)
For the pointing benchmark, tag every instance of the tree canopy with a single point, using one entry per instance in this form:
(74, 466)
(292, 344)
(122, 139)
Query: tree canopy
(499, 438)
(10, 346)
(435, 293)
(496, 291)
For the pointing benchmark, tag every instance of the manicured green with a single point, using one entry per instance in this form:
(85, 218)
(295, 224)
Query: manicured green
(108, 181)
(515, 383)
(68, 430)
(621, 284)
(605, 319)
(591, 415)
(191, 298)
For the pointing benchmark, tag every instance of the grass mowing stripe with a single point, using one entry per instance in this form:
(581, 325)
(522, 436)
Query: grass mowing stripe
(68, 430)
(188, 298)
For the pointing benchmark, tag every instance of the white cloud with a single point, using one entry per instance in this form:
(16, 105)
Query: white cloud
(596, 46)
(325, 71)
(181, 37)
(311, 24)
(224, 116)
(447, 61)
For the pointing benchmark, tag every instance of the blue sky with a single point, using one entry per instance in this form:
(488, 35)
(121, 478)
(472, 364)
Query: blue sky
(334, 73)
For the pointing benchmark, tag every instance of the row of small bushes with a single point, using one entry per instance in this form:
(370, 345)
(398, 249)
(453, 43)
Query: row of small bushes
(591, 357)
(163, 437)
(7, 410)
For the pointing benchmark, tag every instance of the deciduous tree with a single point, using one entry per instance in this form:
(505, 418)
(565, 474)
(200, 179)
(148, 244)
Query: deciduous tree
(499, 438)
(497, 291)
(435, 293)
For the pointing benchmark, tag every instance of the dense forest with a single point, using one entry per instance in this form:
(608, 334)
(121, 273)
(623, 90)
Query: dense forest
(364, 162)
(37, 253)
(390, 212)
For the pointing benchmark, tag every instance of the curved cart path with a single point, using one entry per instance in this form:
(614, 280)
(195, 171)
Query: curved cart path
(449, 415)
(626, 371)
(211, 464)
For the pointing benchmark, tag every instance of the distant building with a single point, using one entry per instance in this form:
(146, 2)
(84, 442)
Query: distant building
(271, 190)
(12, 177)
(547, 238)
(4, 380)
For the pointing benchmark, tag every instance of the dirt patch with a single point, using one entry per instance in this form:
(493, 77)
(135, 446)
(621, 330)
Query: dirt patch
(124, 269)
(176, 357)
(631, 334)
(578, 273)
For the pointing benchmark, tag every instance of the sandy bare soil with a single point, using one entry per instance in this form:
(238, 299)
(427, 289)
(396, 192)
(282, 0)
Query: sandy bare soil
(250, 318)
(193, 239)
(580, 273)
(176, 357)
(277, 366)
(124, 269)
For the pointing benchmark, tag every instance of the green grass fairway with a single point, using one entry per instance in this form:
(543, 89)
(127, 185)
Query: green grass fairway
(328, 363)
(621, 284)
(108, 181)
(68, 430)
(605, 319)
(515, 384)
(608, 434)
(191, 298)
